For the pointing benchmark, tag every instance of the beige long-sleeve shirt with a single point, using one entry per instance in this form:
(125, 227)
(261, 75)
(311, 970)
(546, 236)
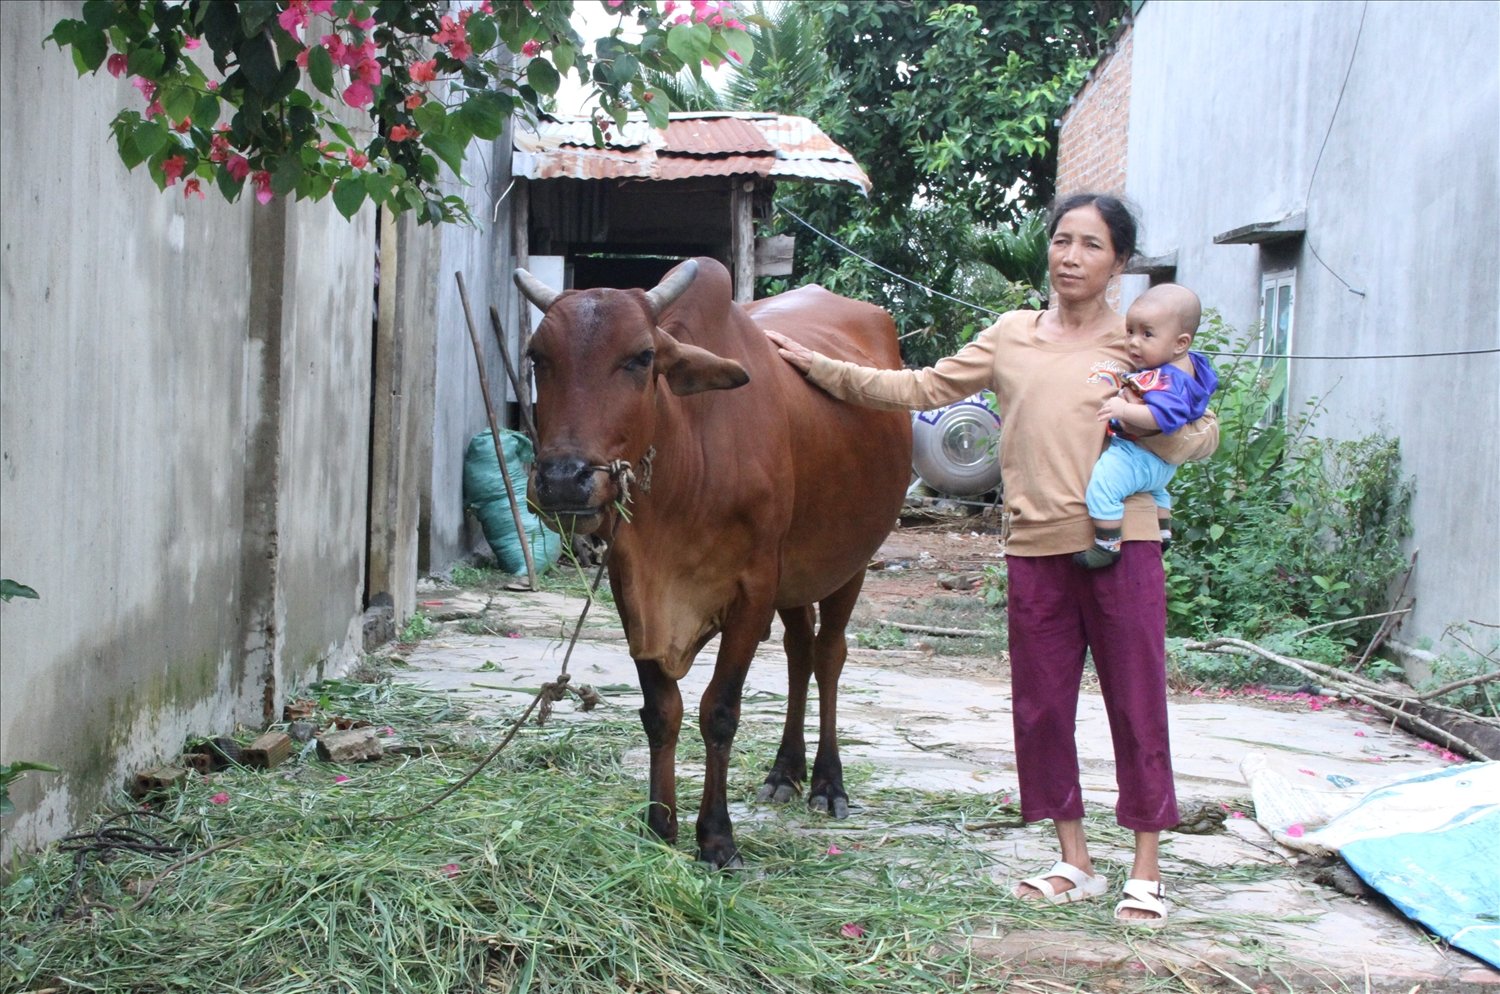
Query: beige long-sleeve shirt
(1049, 396)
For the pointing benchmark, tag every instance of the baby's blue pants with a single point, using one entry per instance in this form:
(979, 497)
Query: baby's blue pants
(1124, 469)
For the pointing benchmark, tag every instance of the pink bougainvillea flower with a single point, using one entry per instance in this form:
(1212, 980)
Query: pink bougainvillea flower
(614, 3)
(424, 72)
(147, 88)
(388, 730)
(487, 7)
(735, 55)
(531, 49)
(238, 167)
(302, 58)
(359, 94)
(668, 7)
(358, 159)
(400, 133)
(341, 778)
(835, 851)
(1306, 771)
(191, 43)
(155, 109)
(450, 869)
(1224, 806)
(1451, 757)
(335, 45)
(172, 168)
(183, 126)
(262, 181)
(368, 72)
(319, 6)
(413, 101)
(293, 17)
(1360, 734)
(852, 930)
(116, 65)
(364, 25)
(192, 187)
(1315, 704)
(213, 84)
(219, 798)
(1296, 831)
(1236, 814)
(218, 148)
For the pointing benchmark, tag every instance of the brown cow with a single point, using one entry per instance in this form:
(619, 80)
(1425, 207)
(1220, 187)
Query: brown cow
(749, 492)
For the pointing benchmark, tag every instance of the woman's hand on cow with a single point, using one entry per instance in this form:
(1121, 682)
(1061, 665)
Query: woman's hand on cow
(800, 356)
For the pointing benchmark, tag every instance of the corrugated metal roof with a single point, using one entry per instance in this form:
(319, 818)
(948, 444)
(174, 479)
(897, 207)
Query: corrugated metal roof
(701, 144)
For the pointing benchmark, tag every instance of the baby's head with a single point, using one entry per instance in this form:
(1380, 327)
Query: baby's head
(1160, 325)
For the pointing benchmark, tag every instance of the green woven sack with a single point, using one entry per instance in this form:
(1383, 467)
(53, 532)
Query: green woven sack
(484, 494)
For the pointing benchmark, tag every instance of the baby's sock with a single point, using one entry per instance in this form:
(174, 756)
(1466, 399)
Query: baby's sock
(1104, 552)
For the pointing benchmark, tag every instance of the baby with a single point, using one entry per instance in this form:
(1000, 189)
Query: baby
(1169, 388)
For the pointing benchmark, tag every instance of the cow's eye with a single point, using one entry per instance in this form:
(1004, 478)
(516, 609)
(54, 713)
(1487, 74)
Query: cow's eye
(641, 361)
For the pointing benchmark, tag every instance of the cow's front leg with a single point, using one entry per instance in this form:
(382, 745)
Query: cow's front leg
(788, 772)
(662, 718)
(719, 719)
(830, 649)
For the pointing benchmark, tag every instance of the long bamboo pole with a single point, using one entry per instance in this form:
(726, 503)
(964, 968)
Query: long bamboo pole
(489, 409)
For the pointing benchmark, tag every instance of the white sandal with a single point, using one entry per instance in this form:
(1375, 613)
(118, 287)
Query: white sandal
(1084, 886)
(1143, 895)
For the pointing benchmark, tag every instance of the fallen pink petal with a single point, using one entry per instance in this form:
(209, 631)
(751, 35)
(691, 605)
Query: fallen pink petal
(341, 778)
(450, 870)
(219, 798)
(852, 931)
(1295, 831)
(835, 851)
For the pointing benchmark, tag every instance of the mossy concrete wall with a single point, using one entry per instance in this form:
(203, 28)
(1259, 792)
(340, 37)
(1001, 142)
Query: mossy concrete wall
(184, 444)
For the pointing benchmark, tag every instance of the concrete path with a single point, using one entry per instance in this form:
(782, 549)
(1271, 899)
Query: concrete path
(924, 721)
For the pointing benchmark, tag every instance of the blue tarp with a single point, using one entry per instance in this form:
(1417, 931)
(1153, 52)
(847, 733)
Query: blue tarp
(1445, 874)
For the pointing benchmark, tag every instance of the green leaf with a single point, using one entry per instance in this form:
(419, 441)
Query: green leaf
(228, 185)
(447, 148)
(688, 44)
(320, 69)
(90, 46)
(99, 14)
(1215, 532)
(146, 61)
(430, 116)
(378, 187)
(287, 172)
(349, 194)
(542, 76)
(178, 101)
(150, 138)
(259, 64)
(10, 588)
(206, 110)
(482, 34)
(342, 132)
(564, 56)
(254, 14)
(485, 113)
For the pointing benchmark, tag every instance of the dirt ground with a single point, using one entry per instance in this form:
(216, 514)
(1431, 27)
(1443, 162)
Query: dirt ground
(898, 714)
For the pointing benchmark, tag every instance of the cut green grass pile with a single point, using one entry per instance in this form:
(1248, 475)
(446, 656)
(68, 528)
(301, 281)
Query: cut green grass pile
(536, 876)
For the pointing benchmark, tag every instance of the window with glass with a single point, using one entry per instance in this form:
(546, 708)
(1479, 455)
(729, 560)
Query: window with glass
(1276, 298)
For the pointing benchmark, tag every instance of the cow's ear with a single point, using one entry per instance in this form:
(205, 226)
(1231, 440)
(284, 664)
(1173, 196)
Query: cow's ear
(689, 369)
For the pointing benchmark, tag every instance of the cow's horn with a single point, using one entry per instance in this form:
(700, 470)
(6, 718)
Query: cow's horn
(672, 287)
(535, 290)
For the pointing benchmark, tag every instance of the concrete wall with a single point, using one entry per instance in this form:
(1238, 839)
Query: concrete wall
(1231, 104)
(184, 414)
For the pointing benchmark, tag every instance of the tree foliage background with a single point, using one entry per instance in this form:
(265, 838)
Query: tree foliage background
(951, 110)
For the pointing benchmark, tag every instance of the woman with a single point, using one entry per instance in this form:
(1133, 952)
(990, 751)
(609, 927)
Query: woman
(1052, 371)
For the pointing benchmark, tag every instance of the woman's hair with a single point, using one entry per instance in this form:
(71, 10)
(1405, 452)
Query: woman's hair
(1117, 217)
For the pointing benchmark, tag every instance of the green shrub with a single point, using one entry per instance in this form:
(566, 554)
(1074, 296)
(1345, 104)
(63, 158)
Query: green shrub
(1280, 531)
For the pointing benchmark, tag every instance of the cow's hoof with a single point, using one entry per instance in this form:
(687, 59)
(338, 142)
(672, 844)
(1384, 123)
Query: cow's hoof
(722, 859)
(839, 807)
(777, 793)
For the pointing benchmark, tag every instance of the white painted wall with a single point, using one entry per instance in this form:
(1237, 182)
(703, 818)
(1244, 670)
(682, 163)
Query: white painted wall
(1231, 103)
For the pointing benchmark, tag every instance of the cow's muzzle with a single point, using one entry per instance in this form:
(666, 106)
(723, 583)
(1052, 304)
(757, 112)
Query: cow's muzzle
(570, 494)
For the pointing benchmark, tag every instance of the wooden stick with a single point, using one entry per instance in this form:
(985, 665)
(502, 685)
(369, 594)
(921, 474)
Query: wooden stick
(489, 409)
(523, 397)
(931, 630)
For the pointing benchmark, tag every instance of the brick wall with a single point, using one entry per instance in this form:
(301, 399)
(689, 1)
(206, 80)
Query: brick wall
(1093, 143)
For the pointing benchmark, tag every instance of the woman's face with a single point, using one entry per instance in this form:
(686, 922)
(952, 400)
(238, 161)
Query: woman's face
(1081, 256)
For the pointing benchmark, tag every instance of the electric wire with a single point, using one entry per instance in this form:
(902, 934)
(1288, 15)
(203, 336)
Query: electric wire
(1240, 355)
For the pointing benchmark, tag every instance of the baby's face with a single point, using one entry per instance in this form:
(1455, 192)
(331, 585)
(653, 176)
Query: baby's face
(1153, 334)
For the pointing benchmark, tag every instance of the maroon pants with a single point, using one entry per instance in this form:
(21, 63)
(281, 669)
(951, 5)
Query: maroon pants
(1056, 611)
